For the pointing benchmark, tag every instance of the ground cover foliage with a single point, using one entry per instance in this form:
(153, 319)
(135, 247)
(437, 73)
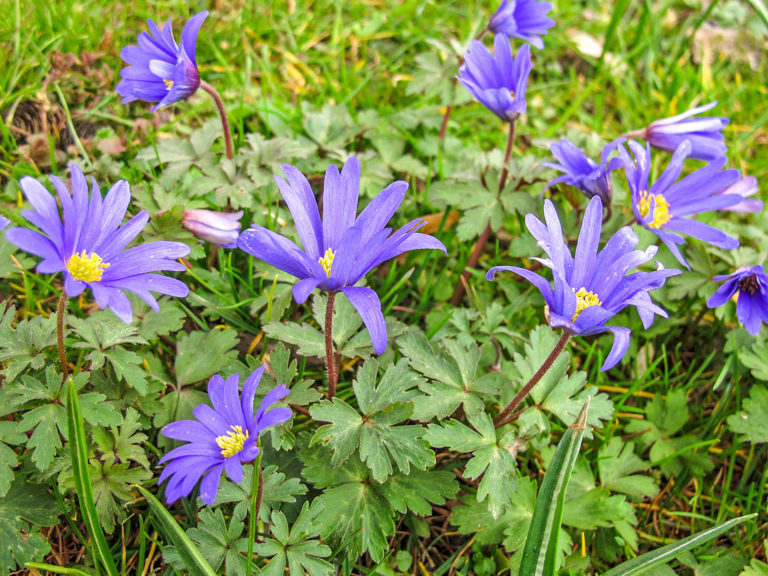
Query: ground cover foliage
(407, 468)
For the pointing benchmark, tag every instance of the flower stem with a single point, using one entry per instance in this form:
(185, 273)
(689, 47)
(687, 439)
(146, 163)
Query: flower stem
(507, 415)
(474, 258)
(223, 113)
(257, 489)
(61, 311)
(333, 376)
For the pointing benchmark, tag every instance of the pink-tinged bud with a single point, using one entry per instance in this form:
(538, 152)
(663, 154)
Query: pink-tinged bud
(220, 228)
(745, 187)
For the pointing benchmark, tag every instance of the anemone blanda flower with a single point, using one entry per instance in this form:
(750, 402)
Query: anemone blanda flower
(339, 250)
(582, 172)
(499, 80)
(89, 245)
(159, 70)
(746, 186)
(705, 134)
(4, 222)
(662, 207)
(220, 228)
(592, 287)
(524, 19)
(751, 285)
(221, 438)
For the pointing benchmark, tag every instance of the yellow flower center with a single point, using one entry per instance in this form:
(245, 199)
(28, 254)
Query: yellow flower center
(86, 267)
(584, 299)
(232, 442)
(327, 261)
(661, 213)
(168, 84)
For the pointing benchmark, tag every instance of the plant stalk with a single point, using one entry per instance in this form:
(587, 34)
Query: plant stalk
(474, 258)
(257, 489)
(333, 376)
(61, 311)
(507, 415)
(223, 113)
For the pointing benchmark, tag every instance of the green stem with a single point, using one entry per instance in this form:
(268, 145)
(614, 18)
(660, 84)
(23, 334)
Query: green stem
(257, 489)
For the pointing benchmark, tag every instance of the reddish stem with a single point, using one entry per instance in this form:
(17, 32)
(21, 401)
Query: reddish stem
(223, 113)
(61, 311)
(330, 360)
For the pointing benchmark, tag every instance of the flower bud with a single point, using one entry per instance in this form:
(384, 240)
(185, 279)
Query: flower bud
(220, 228)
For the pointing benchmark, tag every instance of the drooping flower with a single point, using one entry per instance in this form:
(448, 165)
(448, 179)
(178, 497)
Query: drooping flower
(339, 250)
(592, 287)
(159, 70)
(750, 283)
(222, 438)
(582, 172)
(705, 134)
(87, 243)
(4, 222)
(524, 19)
(220, 228)
(499, 80)
(745, 187)
(663, 207)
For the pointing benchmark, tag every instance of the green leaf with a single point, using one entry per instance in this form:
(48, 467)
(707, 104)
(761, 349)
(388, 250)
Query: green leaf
(9, 436)
(617, 464)
(111, 482)
(20, 542)
(79, 453)
(310, 340)
(417, 491)
(541, 546)
(26, 344)
(666, 553)
(153, 324)
(190, 556)
(298, 548)
(277, 490)
(374, 430)
(200, 355)
(124, 443)
(751, 421)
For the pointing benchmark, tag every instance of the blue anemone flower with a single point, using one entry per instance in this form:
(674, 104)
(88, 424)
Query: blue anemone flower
(221, 438)
(705, 134)
(582, 172)
(523, 19)
(159, 70)
(339, 250)
(88, 244)
(4, 222)
(593, 286)
(751, 285)
(663, 207)
(219, 228)
(499, 80)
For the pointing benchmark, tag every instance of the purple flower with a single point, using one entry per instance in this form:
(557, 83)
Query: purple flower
(339, 250)
(524, 19)
(220, 228)
(705, 134)
(498, 81)
(221, 438)
(662, 207)
(159, 70)
(751, 284)
(4, 222)
(582, 172)
(88, 244)
(594, 286)
(745, 187)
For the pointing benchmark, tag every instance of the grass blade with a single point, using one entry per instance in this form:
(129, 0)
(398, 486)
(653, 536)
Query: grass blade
(540, 550)
(761, 10)
(193, 560)
(79, 450)
(667, 553)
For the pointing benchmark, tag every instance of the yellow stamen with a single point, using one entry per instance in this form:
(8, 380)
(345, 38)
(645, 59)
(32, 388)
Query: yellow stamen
(233, 442)
(584, 299)
(327, 261)
(661, 213)
(168, 84)
(86, 267)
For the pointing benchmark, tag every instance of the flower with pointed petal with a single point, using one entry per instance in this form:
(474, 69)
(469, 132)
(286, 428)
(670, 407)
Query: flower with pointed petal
(220, 228)
(498, 81)
(750, 285)
(159, 70)
(523, 19)
(582, 172)
(705, 134)
(663, 207)
(592, 287)
(87, 243)
(340, 249)
(746, 186)
(222, 438)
